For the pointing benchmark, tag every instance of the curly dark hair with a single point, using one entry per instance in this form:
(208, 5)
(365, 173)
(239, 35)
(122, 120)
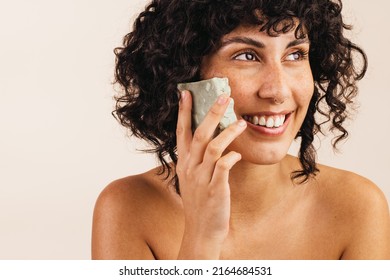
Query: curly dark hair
(170, 38)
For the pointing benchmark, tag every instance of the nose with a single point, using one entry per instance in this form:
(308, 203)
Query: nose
(274, 85)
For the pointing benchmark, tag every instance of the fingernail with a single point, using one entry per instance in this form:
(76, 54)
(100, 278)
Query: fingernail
(222, 99)
(183, 95)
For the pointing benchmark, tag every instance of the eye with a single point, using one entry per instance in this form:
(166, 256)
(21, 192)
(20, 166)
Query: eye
(296, 56)
(248, 56)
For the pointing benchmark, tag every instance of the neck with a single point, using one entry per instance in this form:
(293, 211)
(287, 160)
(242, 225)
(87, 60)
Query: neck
(257, 188)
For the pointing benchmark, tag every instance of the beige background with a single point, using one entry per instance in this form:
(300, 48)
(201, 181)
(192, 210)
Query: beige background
(59, 145)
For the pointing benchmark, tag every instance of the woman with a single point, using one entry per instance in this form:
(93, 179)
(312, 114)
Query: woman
(239, 195)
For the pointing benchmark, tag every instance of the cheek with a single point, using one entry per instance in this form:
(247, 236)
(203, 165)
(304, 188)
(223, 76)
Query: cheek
(304, 88)
(211, 67)
(242, 89)
(304, 95)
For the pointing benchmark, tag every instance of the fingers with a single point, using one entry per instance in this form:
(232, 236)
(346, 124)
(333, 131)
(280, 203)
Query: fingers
(204, 133)
(222, 168)
(183, 130)
(200, 150)
(218, 145)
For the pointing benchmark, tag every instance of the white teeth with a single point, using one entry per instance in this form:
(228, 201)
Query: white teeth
(277, 122)
(270, 122)
(262, 121)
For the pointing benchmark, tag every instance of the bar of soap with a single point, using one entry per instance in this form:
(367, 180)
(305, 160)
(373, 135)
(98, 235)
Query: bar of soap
(204, 94)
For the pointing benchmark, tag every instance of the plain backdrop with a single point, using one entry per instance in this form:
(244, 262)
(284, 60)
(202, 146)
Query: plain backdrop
(60, 146)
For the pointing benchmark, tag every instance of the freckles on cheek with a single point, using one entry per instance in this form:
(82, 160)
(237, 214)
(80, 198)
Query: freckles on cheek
(239, 97)
(305, 89)
(240, 88)
(305, 94)
(211, 73)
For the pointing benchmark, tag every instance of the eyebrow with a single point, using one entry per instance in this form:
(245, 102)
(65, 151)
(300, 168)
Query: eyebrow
(259, 44)
(242, 40)
(297, 42)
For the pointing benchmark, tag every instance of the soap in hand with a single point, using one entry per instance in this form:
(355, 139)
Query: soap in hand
(204, 94)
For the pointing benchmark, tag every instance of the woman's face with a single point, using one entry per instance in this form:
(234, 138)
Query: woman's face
(271, 83)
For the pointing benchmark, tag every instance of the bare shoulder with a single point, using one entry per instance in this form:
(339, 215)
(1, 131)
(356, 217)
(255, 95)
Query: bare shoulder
(350, 189)
(134, 191)
(363, 209)
(122, 215)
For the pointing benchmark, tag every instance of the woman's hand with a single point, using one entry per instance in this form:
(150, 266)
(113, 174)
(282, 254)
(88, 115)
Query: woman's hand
(203, 171)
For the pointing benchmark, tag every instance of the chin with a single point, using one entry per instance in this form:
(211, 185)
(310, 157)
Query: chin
(265, 158)
(262, 155)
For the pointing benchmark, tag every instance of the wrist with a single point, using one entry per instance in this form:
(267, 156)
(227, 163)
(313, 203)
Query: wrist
(197, 247)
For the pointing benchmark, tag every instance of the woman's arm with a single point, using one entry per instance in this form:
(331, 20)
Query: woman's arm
(116, 231)
(203, 172)
(370, 235)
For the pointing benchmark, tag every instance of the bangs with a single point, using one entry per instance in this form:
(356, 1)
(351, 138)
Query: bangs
(271, 18)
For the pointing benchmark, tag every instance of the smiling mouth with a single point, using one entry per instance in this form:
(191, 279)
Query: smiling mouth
(273, 121)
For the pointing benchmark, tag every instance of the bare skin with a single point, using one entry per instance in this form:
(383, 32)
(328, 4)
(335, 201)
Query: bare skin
(237, 199)
(325, 219)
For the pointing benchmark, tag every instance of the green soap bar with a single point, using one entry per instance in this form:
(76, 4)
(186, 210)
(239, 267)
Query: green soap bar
(204, 94)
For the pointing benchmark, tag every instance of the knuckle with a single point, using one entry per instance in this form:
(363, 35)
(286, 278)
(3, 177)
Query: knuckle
(179, 130)
(211, 192)
(184, 172)
(223, 164)
(214, 111)
(213, 149)
(188, 172)
(200, 136)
